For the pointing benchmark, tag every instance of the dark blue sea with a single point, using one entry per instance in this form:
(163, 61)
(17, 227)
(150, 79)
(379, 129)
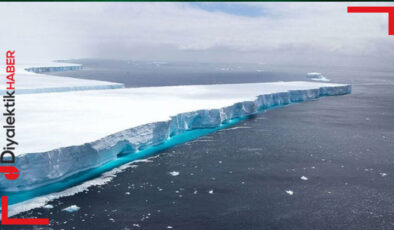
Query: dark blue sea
(323, 164)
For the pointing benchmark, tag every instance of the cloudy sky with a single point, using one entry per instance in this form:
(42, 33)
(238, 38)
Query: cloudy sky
(288, 33)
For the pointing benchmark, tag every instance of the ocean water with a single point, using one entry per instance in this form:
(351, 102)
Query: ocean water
(324, 164)
(142, 74)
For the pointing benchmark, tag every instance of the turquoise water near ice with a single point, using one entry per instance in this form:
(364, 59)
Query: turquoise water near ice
(16, 197)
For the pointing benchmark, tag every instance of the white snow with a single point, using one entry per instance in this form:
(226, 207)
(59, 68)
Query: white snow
(63, 133)
(317, 77)
(304, 178)
(72, 208)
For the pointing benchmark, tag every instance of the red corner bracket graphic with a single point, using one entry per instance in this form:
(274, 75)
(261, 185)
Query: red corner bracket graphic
(375, 9)
(6, 221)
(12, 173)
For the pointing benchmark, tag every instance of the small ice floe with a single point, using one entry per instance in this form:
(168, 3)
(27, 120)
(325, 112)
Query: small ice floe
(210, 191)
(174, 173)
(111, 219)
(289, 192)
(72, 208)
(127, 193)
(383, 174)
(238, 127)
(316, 77)
(48, 206)
(169, 227)
(304, 178)
(195, 192)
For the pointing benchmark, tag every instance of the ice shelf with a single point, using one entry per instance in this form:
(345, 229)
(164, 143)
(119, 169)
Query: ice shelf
(60, 134)
(28, 81)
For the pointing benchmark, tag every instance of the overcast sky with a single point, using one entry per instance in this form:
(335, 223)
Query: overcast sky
(288, 33)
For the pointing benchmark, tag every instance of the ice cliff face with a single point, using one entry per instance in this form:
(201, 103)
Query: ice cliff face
(38, 169)
(54, 68)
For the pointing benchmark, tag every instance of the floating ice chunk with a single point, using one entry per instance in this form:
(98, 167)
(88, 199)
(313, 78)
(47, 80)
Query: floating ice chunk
(174, 173)
(210, 191)
(169, 227)
(383, 174)
(289, 192)
(304, 178)
(48, 206)
(72, 208)
(317, 77)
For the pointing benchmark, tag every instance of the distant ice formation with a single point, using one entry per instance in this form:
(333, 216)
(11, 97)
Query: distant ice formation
(30, 82)
(317, 77)
(39, 69)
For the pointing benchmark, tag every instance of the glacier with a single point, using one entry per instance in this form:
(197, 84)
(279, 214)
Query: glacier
(95, 127)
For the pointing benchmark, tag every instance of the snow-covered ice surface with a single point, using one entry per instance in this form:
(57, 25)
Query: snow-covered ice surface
(60, 134)
(29, 82)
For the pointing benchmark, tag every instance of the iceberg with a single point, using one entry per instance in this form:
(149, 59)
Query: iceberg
(72, 208)
(317, 77)
(62, 134)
